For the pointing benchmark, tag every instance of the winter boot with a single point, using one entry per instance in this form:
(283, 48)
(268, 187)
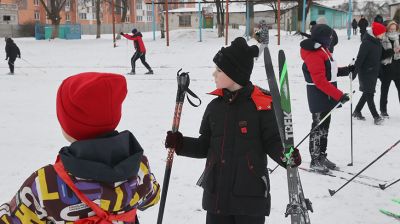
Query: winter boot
(131, 73)
(378, 120)
(384, 114)
(358, 116)
(318, 166)
(150, 72)
(330, 165)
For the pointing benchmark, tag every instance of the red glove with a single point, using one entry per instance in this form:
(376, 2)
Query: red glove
(174, 140)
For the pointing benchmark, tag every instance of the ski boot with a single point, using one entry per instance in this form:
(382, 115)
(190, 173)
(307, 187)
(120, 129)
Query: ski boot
(318, 166)
(378, 120)
(150, 72)
(329, 164)
(358, 116)
(384, 114)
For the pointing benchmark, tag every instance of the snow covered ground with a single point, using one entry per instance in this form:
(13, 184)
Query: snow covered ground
(31, 137)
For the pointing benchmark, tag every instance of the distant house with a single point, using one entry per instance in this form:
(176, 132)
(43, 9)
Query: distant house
(336, 18)
(188, 17)
(8, 13)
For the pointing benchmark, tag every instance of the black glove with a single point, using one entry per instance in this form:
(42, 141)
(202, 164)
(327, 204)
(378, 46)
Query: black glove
(344, 98)
(295, 158)
(6, 58)
(121, 33)
(174, 140)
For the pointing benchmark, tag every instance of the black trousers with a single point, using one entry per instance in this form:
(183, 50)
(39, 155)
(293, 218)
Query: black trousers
(362, 33)
(142, 57)
(369, 99)
(385, 91)
(355, 31)
(11, 62)
(319, 137)
(233, 219)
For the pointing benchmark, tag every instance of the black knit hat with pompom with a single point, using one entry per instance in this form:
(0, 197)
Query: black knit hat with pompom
(237, 60)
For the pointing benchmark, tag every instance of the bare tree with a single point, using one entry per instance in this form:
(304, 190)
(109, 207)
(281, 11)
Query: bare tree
(220, 17)
(53, 13)
(370, 9)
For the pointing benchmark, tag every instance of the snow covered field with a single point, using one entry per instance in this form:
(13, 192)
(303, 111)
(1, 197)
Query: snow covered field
(31, 137)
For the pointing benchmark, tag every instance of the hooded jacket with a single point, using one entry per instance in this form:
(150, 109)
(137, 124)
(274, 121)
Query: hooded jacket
(237, 133)
(137, 41)
(322, 91)
(12, 50)
(111, 171)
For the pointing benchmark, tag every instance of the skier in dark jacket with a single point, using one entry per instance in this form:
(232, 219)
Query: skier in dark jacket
(140, 51)
(354, 24)
(237, 133)
(368, 65)
(102, 171)
(363, 24)
(320, 72)
(12, 52)
(390, 65)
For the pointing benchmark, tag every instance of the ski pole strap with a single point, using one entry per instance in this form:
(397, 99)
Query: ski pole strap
(101, 217)
(191, 93)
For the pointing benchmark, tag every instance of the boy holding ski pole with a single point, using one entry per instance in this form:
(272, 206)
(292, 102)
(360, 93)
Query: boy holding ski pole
(237, 133)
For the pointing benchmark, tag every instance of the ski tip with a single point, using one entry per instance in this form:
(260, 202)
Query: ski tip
(382, 186)
(331, 192)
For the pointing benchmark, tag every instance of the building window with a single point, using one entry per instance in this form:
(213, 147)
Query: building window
(82, 15)
(149, 7)
(321, 11)
(185, 21)
(36, 2)
(67, 17)
(139, 18)
(37, 15)
(138, 5)
(6, 18)
(149, 18)
(127, 18)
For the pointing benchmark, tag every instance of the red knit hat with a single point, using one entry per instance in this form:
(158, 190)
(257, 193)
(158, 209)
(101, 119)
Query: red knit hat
(378, 29)
(89, 104)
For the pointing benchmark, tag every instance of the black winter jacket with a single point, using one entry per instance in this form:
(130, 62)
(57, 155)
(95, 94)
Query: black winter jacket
(368, 63)
(237, 133)
(390, 71)
(12, 50)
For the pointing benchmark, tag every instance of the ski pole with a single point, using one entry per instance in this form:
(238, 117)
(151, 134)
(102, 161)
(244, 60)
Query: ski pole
(351, 114)
(332, 192)
(183, 88)
(309, 133)
(383, 186)
(33, 66)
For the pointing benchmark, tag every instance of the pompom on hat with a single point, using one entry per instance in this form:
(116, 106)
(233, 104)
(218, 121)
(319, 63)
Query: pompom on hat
(89, 104)
(237, 60)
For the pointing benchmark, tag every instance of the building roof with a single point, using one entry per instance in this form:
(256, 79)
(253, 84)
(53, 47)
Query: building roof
(233, 8)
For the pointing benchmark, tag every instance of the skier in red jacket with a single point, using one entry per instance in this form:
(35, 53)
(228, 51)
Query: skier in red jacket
(140, 50)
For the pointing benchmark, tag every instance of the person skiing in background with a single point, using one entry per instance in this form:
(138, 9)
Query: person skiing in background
(368, 65)
(354, 24)
(262, 36)
(102, 176)
(237, 132)
(390, 65)
(363, 24)
(320, 72)
(12, 52)
(140, 51)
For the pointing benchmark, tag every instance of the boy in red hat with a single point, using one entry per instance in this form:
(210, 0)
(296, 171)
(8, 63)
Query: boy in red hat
(237, 133)
(368, 65)
(102, 176)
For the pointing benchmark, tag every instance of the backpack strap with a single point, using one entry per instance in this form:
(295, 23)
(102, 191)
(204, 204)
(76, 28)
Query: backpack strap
(101, 217)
